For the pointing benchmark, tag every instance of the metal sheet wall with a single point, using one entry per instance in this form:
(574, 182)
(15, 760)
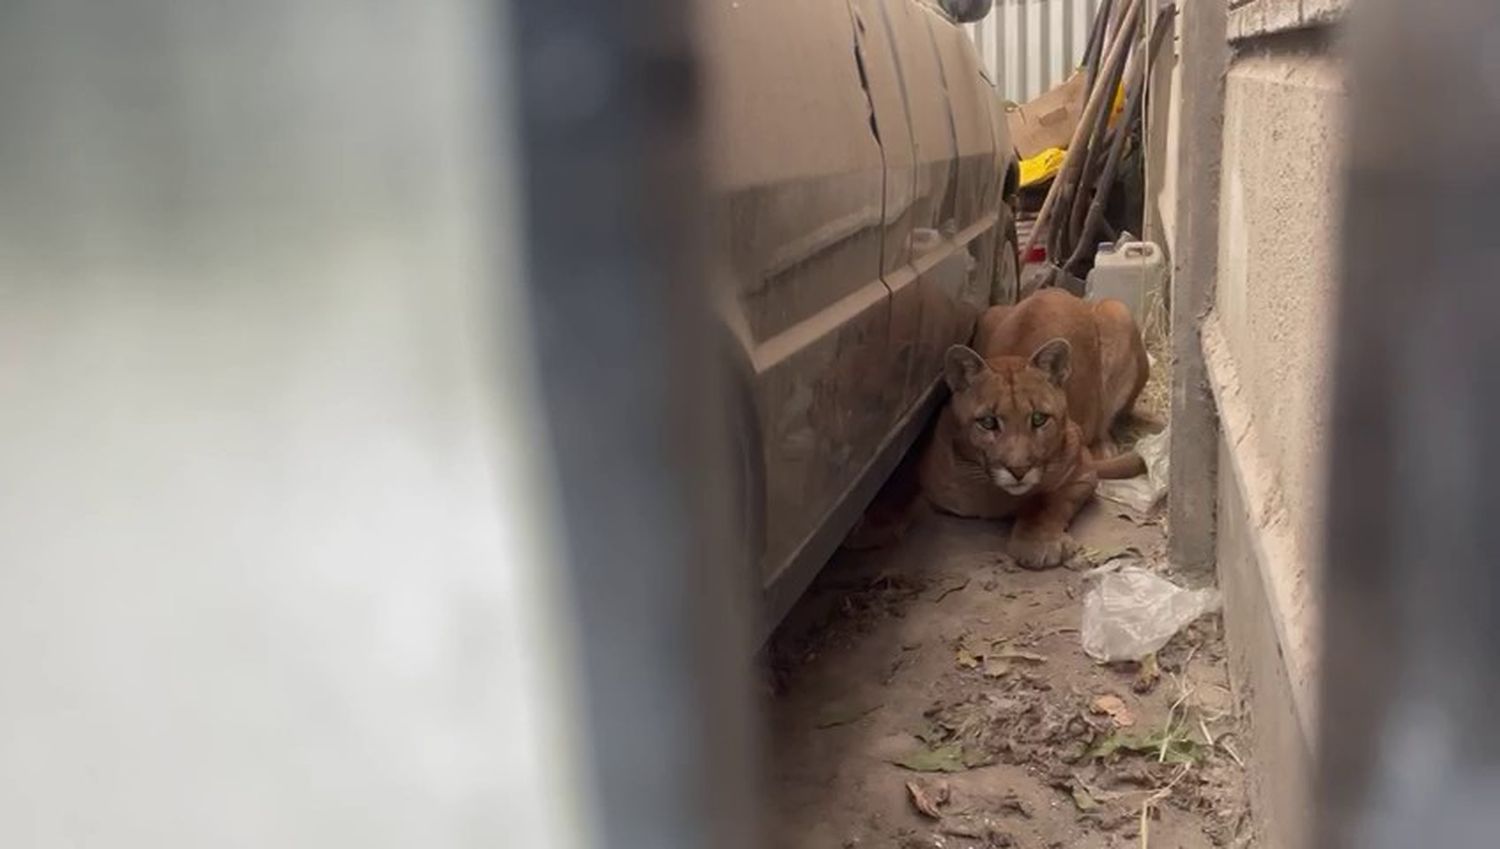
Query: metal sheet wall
(1028, 46)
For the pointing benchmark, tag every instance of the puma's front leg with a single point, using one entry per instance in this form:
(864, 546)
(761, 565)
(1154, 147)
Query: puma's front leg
(1040, 538)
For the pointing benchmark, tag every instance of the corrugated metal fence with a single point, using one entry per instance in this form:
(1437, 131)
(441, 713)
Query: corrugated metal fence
(1031, 45)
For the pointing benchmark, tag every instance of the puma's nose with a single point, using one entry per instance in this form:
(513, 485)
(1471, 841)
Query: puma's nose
(1017, 472)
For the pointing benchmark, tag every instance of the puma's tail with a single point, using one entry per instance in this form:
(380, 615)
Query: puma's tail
(1125, 465)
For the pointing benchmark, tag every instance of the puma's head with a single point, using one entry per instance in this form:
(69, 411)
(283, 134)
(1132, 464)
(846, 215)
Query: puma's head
(1012, 412)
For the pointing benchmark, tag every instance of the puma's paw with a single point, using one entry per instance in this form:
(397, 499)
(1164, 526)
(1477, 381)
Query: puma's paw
(1041, 552)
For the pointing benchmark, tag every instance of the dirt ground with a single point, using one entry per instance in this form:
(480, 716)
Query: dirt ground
(937, 673)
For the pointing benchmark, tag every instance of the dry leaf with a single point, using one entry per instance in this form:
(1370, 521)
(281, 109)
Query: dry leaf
(927, 799)
(975, 828)
(1114, 707)
(947, 758)
(1101, 556)
(1015, 804)
(1006, 652)
(1083, 800)
(996, 667)
(1147, 675)
(967, 659)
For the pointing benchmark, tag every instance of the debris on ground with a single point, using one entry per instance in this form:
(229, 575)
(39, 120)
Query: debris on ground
(1010, 722)
(1083, 800)
(1131, 612)
(1005, 652)
(950, 588)
(845, 713)
(1143, 492)
(981, 722)
(982, 827)
(1100, 560)
(967, 659)
(927, 797)
(995, 661)
(1147, 673)
(1115, 708)
(945, 758)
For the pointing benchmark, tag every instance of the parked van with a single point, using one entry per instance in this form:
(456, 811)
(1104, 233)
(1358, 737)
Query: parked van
(863, 178)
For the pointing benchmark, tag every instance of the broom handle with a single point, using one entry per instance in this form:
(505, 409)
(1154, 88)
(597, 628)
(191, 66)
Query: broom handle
(1117, 52)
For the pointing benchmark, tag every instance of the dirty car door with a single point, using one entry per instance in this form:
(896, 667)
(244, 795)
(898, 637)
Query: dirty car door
(797, 172)
(944, 193)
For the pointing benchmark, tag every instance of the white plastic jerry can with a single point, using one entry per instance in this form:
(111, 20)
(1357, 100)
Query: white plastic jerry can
(1130, 271)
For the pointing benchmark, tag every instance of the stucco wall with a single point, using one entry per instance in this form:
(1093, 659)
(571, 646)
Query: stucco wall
(1266, 343)
(1278, 220)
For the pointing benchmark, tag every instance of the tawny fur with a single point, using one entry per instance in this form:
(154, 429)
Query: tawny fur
(1014, 379)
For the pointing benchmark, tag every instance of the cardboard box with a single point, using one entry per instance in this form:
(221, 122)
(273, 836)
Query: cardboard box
(1048, 120)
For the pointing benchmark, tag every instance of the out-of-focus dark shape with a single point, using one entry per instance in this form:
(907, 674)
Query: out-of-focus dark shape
(1410, 745)
(635, 402)
(967, 11)
(278, 552)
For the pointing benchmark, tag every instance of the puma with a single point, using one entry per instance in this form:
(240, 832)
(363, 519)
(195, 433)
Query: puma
(1027, 430)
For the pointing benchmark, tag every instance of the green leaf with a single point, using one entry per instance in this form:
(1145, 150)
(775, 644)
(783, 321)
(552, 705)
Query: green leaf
(1179, 749)
(947, 758)
(975, 758)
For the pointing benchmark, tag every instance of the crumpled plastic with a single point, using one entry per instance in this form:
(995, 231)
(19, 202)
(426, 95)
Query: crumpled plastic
(1132, 612)
(1141, 493)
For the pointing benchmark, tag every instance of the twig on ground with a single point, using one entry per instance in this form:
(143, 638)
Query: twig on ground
(1154, 799)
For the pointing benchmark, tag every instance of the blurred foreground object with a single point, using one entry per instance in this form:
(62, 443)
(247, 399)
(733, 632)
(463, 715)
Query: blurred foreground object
(282, 559)
(1410, 749)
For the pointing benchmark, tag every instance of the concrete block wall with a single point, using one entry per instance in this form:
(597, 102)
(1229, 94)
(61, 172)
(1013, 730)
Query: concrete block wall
(1265, 340)
(1267, 346)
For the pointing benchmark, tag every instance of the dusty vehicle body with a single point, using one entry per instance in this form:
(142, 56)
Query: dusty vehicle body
(861, 170)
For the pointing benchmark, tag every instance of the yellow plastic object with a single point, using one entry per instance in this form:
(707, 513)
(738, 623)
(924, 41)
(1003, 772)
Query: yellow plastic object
(1045, 165)
(1118, 106)
(1041, 167)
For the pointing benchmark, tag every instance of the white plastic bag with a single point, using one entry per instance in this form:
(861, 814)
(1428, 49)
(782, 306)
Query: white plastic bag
(1132, 612)
(1142, 492)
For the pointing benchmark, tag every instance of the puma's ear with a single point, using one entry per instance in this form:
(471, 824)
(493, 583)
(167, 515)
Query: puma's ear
(961, 366)
(1055, 359)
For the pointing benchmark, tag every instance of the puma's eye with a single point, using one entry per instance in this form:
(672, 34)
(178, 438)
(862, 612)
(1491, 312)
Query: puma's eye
(989, 423)
(1039, 419)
